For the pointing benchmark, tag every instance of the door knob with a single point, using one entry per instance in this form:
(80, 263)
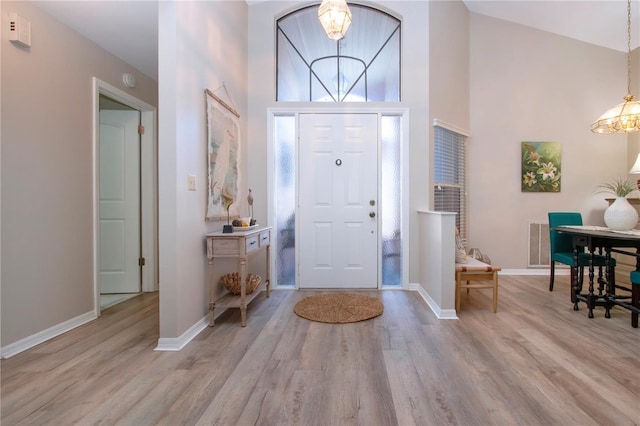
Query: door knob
(372, 214)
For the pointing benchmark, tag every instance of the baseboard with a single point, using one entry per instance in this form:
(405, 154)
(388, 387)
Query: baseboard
(439, 313)
(535, 271)
(176, 344)
(44, 335)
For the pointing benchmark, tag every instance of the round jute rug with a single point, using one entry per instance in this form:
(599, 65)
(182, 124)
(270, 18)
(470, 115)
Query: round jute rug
(338, 308)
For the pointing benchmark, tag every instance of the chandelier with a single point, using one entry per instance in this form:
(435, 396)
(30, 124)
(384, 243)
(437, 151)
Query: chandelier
(625, 117)
(335, 17)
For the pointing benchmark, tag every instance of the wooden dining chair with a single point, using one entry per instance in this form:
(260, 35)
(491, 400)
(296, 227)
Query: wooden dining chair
(561, 251)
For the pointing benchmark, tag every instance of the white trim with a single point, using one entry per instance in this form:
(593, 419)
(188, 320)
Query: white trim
(149, 185)
(452, 127)
(405, 194)
(443, 314)
(44, 335)
(175, 344)
(149, 173)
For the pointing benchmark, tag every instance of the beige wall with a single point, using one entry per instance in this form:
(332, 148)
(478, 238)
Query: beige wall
(202, 46)
(449, 63)
(47, 176)
(530, 85)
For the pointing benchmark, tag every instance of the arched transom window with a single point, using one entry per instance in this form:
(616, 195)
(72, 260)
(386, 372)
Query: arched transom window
(364, 66)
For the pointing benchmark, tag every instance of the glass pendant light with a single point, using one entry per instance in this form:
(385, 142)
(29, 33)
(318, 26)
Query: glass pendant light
(625, 117)
(335, 17)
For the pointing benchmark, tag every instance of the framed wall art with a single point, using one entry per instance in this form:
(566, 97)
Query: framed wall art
(541, 167)
(223, 145)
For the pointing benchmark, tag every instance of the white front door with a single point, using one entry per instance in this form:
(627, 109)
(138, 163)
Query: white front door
(119, 162)
(338, 201)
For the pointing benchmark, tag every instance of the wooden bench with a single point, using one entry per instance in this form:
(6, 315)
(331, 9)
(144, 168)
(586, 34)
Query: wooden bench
(474, 270)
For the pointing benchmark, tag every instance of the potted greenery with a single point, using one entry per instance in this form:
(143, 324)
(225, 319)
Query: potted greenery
(620, 215)
(619, 187)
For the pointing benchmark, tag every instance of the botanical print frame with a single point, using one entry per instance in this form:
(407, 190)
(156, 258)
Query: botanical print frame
(541, 166)
(223, 149)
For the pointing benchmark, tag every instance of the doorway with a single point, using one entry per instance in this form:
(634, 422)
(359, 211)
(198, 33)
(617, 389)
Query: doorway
(308, 179)
(338, 200)
(119, 195)
(125, 216)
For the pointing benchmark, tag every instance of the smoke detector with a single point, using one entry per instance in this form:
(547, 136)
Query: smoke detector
(129, 80)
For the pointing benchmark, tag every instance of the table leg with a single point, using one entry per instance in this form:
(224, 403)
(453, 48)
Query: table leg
(608, 289)
(574, 279)
(635, 302)
(268, 271)
(457, 297)
(243, 314)
(211, 294)
(591, 296)
(243, 291)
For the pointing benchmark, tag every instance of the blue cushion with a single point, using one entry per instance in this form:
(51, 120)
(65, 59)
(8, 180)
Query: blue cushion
(635, 277)
(583, 259)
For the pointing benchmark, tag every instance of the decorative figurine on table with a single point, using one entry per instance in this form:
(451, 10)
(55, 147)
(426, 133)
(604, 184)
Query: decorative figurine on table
(252, 220)
(228, 200)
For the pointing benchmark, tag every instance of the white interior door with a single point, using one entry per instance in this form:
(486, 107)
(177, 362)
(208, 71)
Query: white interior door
(338, 201)
(119, 162)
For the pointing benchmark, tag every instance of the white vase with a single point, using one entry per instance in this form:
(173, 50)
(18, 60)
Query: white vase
(620, 215)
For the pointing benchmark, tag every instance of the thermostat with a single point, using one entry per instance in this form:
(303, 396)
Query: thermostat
(19, 30)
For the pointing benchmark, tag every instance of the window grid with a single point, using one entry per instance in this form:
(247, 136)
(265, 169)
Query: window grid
(449, 176)
(366, 70)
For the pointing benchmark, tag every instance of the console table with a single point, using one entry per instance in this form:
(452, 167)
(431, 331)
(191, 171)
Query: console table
(239, 245)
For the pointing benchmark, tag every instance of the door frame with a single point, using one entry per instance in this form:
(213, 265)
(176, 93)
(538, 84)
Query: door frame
(148, 186)
(404, 184)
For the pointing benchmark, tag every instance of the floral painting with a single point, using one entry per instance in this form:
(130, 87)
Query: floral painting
(541, 166)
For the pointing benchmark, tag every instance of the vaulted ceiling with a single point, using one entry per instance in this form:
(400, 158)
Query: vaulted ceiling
(129, 29)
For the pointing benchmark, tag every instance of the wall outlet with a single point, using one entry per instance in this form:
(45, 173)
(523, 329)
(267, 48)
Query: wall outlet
(191, 182)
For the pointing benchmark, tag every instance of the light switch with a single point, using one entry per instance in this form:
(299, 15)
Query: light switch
(191, 182)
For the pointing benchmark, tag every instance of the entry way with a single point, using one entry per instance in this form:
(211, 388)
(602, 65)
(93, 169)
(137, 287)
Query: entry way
(338, 201)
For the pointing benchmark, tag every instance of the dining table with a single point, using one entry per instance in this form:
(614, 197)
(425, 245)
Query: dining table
(604, 241)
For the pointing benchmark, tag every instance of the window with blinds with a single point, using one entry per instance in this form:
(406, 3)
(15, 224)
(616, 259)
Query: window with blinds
(449, 175)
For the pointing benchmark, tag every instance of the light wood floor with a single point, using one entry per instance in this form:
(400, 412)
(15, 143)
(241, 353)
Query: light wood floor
(535, 362)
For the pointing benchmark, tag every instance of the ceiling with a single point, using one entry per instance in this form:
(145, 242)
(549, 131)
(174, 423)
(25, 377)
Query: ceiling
(129, 29)
(599, 22)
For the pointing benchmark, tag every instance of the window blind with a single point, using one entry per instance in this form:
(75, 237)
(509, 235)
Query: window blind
(449, 175)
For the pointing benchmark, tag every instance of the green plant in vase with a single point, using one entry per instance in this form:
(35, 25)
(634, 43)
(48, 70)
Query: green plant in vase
(618, 187)
(620, 215)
